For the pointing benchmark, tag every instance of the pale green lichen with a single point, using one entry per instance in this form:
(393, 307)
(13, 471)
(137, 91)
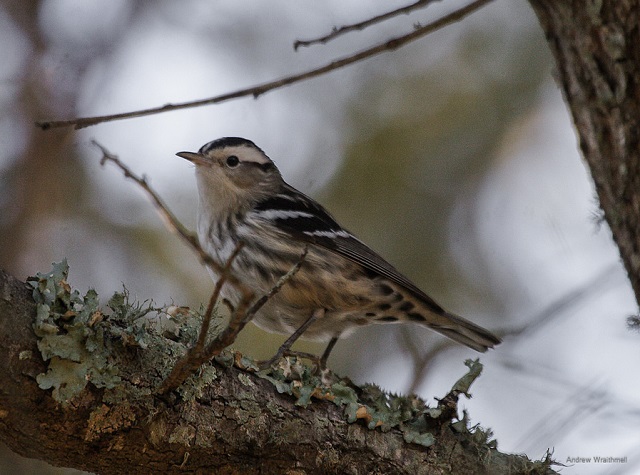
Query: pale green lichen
(76, 337)
(67, 339)
(196, 384)
(378, 409)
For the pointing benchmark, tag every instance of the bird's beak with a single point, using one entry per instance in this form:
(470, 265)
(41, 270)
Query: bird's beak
(195, 158)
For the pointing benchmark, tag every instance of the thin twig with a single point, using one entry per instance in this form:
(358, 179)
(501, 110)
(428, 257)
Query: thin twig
(422, 362)
(171, 221)
(222, 278)
(335, 32)
(276, 288)
(197, 354)
(553, 310)
(260, 89)
(242, 315)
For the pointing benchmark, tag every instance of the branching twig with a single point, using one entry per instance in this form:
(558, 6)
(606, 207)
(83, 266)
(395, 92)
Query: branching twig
(421, 361)
(206, 321)
(335, 32)
(242, 315)
(555, 308)
(186, 365)
(172, 222)
(276, 288)
(260, 89)
(197, 354)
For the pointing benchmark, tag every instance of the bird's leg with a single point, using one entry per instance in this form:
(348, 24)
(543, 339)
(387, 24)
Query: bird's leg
(327, 352)
(284, 349)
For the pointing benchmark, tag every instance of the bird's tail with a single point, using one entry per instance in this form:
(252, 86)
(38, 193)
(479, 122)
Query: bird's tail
(463, 331)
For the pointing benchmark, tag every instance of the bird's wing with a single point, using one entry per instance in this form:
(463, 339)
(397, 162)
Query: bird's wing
(304, 219)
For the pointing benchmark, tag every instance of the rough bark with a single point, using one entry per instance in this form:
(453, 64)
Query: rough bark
(596, 45)
(238, 423)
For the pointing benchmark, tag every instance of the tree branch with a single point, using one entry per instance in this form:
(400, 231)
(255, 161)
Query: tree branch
(363, 24)
(261, 89)
(226, 420)
(201, 354)
(173, 224)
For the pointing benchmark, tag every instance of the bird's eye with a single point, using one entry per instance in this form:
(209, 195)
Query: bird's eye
(232, 161)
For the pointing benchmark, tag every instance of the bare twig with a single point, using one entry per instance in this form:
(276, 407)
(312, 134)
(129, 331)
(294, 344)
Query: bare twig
(260, 89)
(198, 354)
(422, 362)
(192, 360)
(242, 315)
(171, 221)
(206, 321)
(335, 32)
(276, 288)
(587, 400)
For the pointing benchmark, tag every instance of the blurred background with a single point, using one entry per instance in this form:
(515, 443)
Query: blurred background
(454, 157)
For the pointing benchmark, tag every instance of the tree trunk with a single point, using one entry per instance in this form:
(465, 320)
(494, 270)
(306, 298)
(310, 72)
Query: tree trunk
(596, 45)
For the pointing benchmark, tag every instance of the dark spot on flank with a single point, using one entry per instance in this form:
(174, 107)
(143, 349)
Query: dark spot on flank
(387, 319)
(416, 317)
(370, 314)
(397, 297)
(385, 289)
(384, 306)
(243, 263)
(406, 306)
(231, 225)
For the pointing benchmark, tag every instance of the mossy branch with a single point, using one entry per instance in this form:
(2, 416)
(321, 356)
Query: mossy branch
(226, 419)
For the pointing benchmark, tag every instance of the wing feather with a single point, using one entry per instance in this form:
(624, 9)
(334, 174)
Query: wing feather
(306, 220)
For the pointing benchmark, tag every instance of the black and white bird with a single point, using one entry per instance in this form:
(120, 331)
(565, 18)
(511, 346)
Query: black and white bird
(341, 285)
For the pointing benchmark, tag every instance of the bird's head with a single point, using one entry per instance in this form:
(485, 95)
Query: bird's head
(233, 174)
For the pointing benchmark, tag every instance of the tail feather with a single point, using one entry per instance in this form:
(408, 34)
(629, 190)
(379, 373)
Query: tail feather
(463, 331)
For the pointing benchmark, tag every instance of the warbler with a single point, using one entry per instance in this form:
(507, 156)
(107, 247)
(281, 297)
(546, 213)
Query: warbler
(341, 284)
